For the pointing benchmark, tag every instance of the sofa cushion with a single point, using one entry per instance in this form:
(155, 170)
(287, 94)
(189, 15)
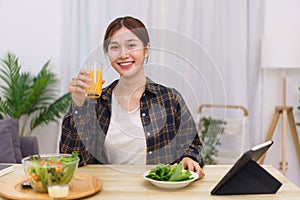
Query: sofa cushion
(16, 140)
(7, 154)
(29, 146)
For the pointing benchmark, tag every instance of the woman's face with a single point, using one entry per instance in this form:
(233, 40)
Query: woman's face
(126, 52)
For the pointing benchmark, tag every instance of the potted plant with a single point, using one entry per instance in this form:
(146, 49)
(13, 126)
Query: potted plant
(32, 98)
(298, 124)
(209, 130)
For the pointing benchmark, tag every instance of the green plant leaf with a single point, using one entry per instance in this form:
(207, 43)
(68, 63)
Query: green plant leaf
(53, 111)
(34, 97)
(298, 124)
(4, 108)
(41, 92)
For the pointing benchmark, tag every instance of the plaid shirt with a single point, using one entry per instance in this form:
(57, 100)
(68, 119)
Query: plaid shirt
(170, 130)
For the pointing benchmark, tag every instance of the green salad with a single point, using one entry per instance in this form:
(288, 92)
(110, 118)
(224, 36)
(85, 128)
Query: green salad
(166, 172)
(48, 170)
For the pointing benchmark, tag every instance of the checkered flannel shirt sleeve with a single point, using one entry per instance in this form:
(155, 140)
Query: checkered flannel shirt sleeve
(170, 127)
(71, 141)
(187, 131)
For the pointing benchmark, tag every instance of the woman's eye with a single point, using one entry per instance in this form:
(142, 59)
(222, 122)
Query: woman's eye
(113, 47)
(131, 46)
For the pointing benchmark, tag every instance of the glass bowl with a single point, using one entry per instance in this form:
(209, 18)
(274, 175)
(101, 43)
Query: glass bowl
(44, 170)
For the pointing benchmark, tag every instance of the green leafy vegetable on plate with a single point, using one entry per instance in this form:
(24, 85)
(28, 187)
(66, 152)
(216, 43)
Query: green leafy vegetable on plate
(172, 173)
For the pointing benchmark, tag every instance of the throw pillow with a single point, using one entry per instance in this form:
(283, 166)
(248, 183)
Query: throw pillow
(16, 139)
(7, 154)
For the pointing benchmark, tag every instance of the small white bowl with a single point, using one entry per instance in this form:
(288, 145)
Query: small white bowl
(58, 191)
(171, 185)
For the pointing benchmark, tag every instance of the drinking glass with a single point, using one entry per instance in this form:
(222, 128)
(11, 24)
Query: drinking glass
(95, 74)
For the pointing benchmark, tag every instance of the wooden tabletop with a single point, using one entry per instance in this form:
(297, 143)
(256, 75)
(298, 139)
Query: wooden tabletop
(126, 182)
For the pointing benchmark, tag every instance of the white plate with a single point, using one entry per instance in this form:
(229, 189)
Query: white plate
(171, 185)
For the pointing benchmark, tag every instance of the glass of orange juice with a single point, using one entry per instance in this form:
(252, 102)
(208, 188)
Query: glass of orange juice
(95, 74)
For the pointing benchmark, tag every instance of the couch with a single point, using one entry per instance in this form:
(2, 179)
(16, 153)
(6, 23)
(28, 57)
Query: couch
(13, 147)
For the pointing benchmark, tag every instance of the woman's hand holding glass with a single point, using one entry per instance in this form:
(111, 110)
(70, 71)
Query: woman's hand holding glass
(78, 87)
(88, 83)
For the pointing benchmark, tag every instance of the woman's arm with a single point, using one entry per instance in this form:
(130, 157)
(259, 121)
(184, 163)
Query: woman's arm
(187, 133)
(70, 140)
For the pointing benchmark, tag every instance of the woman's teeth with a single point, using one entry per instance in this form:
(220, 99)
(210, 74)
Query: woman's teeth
(125, 64)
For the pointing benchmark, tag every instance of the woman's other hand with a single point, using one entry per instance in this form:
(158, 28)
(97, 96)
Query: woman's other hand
(192, 165)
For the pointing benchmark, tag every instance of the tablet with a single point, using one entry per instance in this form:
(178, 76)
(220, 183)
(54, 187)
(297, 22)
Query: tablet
(245, 172)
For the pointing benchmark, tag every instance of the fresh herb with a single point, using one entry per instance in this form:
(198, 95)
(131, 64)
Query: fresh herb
(166, 172)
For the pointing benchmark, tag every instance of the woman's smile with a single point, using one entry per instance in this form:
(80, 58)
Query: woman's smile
(126, 65)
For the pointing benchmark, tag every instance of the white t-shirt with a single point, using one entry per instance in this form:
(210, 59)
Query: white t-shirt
(125, 142)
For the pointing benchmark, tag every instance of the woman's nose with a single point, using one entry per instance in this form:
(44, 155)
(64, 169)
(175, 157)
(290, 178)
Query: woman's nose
(124, 53)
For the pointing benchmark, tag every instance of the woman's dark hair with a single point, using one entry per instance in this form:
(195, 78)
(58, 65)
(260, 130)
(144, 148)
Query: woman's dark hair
(133, 24)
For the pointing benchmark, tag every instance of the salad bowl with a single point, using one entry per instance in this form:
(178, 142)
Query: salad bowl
(45, 170)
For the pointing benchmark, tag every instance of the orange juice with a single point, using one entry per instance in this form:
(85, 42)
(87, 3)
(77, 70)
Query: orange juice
(95, 89)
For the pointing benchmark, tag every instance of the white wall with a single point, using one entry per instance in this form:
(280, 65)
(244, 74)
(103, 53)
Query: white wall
(32, 30)
(281, 16)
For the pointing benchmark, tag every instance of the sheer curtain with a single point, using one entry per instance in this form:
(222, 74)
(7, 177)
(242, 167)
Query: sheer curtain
(206, 49)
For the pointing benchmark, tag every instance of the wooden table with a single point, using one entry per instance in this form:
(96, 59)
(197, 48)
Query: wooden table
(126, 182)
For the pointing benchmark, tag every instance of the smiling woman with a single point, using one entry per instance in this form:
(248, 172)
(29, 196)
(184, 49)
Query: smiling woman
(135, 120)
(127, 53)
(127, 43)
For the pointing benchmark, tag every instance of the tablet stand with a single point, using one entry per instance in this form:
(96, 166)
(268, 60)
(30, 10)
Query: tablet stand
(250, 179)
